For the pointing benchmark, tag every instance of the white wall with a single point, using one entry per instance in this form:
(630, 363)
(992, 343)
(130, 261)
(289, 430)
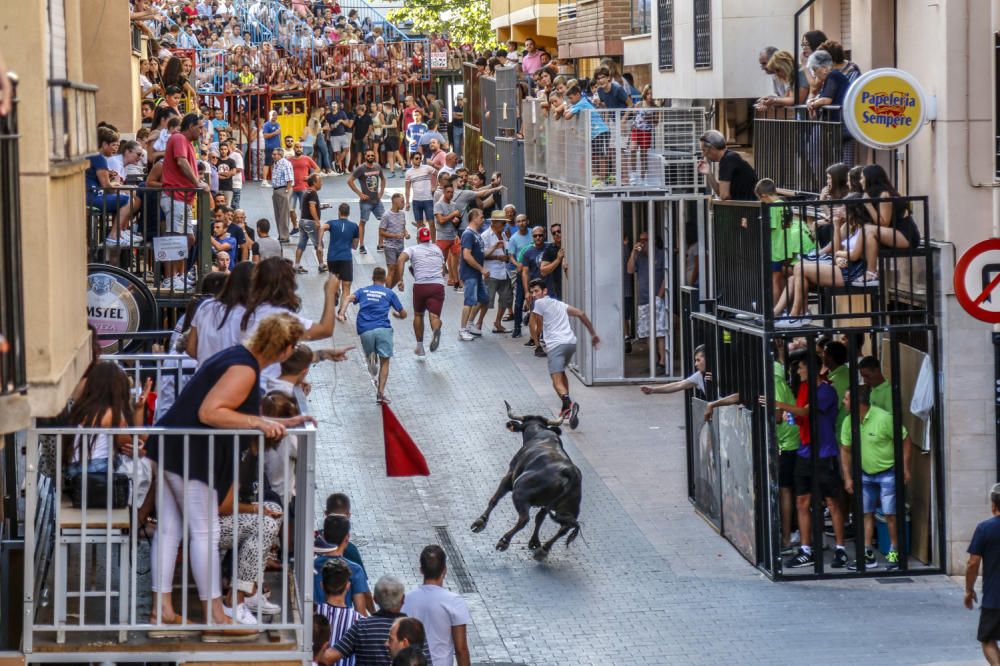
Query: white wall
(740, 28)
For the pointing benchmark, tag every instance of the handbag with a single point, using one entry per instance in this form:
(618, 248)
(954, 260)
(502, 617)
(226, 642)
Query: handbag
(97, 491)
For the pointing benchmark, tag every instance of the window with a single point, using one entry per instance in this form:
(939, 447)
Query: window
(703, 34)
(640, 17)
(665, 28)
(567, 10)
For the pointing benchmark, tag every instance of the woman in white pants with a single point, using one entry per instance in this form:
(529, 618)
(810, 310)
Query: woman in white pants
(222, 394)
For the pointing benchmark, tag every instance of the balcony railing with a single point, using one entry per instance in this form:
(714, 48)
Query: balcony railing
(141, 253)
(13, 374)
(621, 149)
(94, 601)
(794, 149)
(73, 120)
(806, 264)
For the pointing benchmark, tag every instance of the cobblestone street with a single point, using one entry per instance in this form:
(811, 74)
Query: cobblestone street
(647, 582)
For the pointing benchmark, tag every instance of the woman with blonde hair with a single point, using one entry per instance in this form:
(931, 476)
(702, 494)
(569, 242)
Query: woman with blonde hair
(224, 393)
(781, 65)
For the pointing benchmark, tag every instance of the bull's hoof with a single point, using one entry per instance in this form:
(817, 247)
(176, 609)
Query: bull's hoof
(503, 544)
(479, 526)
(534, 544)
(541, 554)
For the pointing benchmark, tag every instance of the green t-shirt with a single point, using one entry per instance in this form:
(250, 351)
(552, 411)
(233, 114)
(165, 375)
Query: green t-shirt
(787, 434)
(882, 397)
(791, 242)
(841, 381)
(876, 440)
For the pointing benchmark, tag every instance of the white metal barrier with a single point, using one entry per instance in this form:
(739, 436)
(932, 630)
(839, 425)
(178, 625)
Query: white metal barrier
(106, 588)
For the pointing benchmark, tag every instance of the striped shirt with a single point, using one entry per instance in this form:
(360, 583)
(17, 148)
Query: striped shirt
(365, 640)
(341, 619)
(282, 174)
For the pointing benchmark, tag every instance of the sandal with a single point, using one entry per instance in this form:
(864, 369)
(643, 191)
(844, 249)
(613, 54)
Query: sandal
(170, 628)
(500, 329)
(300, 269)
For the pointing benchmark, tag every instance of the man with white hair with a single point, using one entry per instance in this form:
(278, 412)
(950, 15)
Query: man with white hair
(366, 639)
(736, 178)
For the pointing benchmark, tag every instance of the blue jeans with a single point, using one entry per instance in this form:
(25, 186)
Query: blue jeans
(423, 210)
(459, 133)
(475, 291)
(323, 153)
(518, 304)
(94, 466)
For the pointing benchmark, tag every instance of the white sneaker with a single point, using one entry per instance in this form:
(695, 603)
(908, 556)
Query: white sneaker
(265, 183)
(131, 237)
(167, 283)
(476, 331)
(869, 279)
(419, 351)
(243, 616)
(260, 602)
(465, 336)
(111, 241)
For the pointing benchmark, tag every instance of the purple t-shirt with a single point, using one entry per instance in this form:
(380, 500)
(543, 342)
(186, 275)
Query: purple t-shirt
(826, 421)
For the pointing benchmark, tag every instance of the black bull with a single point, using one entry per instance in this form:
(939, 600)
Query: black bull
(540, 474)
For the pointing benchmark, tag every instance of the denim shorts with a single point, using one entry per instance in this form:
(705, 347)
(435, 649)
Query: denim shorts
(297, 197)
(423, 210)
(307, 231)
(372, 207)
(881, 485)
(378, 341)
(475, 291)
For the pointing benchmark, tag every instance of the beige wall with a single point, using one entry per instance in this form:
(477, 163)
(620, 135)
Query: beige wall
(107, 39)
(52, 215)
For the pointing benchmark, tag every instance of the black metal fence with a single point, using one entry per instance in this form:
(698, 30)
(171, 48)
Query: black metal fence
(794, 148)
(852, 262)
(13, 372)
(160, 235)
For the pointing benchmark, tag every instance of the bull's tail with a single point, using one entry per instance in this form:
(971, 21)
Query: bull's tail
(570, 478)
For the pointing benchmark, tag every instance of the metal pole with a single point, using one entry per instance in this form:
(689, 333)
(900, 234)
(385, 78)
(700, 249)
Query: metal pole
(650, 278)
(996, 396)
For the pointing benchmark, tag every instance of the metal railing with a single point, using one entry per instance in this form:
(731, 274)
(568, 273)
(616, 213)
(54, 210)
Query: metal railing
(13, 372)
(370, 16)
(794, 149)
(139, 246)
(624, 149)
(72, 119)
(803, 264)
(94, 601)
(533, 125)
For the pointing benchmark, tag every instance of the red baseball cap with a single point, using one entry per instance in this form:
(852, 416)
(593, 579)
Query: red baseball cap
(424, 234)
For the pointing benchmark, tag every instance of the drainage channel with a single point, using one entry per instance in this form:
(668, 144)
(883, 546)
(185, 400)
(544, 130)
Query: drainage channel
(456, 564)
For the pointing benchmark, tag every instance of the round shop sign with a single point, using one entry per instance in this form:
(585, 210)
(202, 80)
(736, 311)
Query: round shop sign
(117, 303)
(885, 108)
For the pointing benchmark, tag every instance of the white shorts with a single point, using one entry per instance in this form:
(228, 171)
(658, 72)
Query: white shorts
(176, 215)
(661, 319)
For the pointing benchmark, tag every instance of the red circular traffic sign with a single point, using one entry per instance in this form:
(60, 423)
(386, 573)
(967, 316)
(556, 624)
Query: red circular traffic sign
(977, 281)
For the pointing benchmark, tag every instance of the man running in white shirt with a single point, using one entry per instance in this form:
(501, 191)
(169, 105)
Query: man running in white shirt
(553, 320)
(427, 265)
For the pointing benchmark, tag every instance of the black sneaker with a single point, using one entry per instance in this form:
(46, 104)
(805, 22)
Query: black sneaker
(892, 560)
(870, 561)
(529, 343)
(362, 250)
(540, 353)
(293, 231)
(839, 559)
(574, 418)
(802, 559)
(436, 340)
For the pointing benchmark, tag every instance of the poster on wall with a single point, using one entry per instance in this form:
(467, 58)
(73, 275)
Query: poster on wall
(705, 453)
(735, 429)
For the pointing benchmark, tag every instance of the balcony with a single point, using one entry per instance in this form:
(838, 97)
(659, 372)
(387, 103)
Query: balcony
(794, 150)
(86, 576)
(13, 374)
(615, 150)
(72, 120)
(882, 286)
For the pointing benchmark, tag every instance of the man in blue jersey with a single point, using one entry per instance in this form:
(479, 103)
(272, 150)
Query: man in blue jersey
(374, 303)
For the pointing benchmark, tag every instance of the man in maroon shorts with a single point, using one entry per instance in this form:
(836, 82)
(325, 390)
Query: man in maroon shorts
(427, 266)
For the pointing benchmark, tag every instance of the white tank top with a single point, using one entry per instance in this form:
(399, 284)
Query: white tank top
(97, 447)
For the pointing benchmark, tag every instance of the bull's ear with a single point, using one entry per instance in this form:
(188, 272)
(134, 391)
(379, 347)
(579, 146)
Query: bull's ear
(515, 426)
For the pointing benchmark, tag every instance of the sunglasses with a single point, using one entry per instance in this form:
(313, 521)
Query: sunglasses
(557, 233)
(538, 235)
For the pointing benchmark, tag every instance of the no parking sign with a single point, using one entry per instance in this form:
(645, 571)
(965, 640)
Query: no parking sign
(977, 281)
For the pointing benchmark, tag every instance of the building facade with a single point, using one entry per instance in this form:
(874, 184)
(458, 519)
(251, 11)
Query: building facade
(519, 20)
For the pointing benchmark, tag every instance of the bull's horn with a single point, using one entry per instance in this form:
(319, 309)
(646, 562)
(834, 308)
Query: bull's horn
(511, 414)
(557, 422)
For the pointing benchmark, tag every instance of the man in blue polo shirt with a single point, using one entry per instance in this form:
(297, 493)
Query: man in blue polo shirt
(374, 327)
(344, 237)
(473, 274)
(337, 530)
